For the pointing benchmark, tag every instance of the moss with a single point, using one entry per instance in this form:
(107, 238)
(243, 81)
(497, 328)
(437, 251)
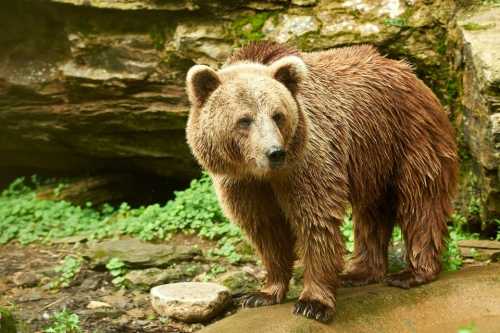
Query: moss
(471, 26)
(158, 37)
(396, 22)
(7, 322)
(250, 27)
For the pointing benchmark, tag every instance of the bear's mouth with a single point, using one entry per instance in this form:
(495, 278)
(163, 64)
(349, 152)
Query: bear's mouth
(275, 165)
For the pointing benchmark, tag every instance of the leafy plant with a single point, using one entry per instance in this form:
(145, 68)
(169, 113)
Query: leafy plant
(67, 272)
(214, 271)
(117, 269)
(193, 211)
(64, 322)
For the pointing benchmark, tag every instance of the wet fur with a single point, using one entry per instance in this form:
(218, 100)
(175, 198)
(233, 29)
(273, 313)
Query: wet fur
(370, 135)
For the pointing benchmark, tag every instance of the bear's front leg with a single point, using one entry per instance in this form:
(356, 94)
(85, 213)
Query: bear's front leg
(253, 206)
(323, 251)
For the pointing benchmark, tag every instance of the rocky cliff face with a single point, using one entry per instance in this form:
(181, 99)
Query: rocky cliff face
(91, 85)
(479, 115)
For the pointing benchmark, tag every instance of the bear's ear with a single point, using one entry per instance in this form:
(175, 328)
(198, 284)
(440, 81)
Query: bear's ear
(201, 83)
(290, 71)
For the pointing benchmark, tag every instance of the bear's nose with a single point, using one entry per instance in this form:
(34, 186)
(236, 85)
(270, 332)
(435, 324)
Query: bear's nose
(276, 155)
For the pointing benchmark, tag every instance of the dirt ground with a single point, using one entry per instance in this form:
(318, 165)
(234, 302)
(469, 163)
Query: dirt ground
(25, 275)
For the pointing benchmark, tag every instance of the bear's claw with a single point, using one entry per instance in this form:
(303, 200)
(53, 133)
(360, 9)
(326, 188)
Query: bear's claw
(256, 299)
(313, 310)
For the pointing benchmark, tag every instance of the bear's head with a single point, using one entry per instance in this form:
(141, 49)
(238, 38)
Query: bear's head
(245, 119)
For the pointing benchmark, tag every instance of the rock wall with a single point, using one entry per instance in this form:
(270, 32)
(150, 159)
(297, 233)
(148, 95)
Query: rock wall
(478, 116)
(98, 85)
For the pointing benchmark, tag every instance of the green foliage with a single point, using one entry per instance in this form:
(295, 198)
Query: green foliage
(348, 232)
(64, 322)
(193, 211)
(471, 328)
(67, 272)
(27, 219)
(474, 207)
(214, 271)
(117, 269)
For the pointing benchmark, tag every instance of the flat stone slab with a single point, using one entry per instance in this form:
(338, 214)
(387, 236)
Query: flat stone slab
(190, 301)
(455, 300)
(480, 244)
(135, 253)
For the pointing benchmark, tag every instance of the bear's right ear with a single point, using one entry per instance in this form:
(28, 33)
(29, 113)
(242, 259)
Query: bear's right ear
(201, 83)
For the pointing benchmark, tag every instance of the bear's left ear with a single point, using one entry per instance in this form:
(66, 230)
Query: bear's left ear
(201, 82)
(290, 71)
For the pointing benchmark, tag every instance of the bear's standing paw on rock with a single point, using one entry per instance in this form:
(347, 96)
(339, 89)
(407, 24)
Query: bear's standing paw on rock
(358, 279)
(407, 279)
(313, 309)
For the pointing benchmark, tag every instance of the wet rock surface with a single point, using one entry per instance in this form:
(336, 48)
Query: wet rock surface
(455, 300)
(190, 301)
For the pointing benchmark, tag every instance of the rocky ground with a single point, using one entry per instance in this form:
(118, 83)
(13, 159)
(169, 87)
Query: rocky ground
(28, 274)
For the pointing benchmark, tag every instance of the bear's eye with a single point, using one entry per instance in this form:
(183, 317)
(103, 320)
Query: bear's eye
(244, 122)
(278, 118)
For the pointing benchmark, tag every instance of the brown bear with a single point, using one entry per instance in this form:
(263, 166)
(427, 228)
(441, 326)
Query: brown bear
(293, 139)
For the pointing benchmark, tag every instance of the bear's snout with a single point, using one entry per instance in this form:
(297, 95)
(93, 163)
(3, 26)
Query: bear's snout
(276, 156)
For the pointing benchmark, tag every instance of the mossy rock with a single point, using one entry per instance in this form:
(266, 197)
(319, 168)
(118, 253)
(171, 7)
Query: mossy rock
(239, 282)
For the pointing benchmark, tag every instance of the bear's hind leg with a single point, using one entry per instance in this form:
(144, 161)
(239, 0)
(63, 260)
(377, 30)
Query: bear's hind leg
(424, 231)
(373, 227)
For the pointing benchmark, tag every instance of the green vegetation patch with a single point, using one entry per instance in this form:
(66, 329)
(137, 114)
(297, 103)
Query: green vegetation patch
(64, 322)
(195, 210)
(67, 272)
(250, 27)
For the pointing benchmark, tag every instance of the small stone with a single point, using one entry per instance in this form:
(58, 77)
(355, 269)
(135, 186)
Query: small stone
(136, 313)
(96, 305)
(29, 295)
(303, 2)
(90, 283)
(190, 301)
(118, 300)
(25, 279)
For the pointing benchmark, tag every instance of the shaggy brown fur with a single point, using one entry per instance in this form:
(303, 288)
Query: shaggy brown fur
(358, 129)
